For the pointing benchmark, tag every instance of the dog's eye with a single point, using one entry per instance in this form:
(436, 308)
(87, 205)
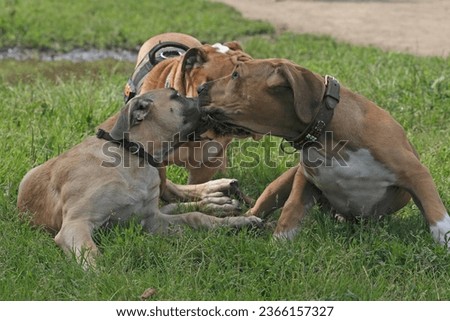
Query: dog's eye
(234, 75)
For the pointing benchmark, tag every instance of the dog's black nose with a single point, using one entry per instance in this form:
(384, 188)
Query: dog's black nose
(202, 89)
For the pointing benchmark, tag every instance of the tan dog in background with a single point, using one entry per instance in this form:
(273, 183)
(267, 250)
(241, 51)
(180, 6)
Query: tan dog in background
(180, 61)
(99, 181)
(355, 158)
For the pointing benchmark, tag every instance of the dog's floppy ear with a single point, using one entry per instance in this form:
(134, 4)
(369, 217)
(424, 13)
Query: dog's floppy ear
(194, 58)
(307, 88)
(132, 114)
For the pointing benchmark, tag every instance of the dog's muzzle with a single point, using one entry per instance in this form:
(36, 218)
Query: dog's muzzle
(215, 119)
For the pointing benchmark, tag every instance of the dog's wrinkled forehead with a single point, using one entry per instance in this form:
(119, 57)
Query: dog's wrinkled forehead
(231, 50)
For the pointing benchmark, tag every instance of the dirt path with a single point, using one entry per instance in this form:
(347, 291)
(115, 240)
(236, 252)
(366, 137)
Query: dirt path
(420, 27)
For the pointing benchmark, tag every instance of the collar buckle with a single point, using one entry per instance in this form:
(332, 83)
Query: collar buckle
(331, 96)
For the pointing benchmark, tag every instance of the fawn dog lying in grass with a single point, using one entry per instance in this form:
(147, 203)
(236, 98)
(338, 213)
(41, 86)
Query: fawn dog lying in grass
(113, 177)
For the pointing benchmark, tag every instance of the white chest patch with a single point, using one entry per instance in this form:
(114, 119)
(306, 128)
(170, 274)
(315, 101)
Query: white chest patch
(221, 48)
(356, 185)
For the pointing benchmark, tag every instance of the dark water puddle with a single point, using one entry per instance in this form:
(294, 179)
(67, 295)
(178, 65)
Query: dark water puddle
(77, 55)
(31, 70)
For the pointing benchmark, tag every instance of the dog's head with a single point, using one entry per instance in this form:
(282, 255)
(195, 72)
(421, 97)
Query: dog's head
(262, 96)
(207, 63)
(197, 66)
(158, 120)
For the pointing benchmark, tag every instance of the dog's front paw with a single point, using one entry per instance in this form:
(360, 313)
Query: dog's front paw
(254, 221)
(240, 221)
(221, 206)
(226, 186)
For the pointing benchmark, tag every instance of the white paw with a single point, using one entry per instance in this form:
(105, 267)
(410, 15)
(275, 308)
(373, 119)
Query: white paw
(441, 231)
(285, 235)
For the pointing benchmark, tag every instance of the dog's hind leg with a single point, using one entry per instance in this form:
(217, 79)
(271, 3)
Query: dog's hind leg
(75, 237)
(418, 181)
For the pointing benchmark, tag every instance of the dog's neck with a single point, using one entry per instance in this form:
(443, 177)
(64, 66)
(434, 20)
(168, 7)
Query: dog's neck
(323, 117)
(165, 74)
(131, 147)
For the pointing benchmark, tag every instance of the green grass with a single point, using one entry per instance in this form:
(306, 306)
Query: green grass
(65, 24)
(47, 107)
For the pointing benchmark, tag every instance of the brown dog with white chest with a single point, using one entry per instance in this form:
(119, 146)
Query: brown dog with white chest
(181, 62)
(355, 158)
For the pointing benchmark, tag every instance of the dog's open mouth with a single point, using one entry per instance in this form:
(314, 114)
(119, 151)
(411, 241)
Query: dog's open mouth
(221, 125)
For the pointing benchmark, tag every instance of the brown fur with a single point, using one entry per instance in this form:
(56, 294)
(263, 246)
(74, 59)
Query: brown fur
(277, 96)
